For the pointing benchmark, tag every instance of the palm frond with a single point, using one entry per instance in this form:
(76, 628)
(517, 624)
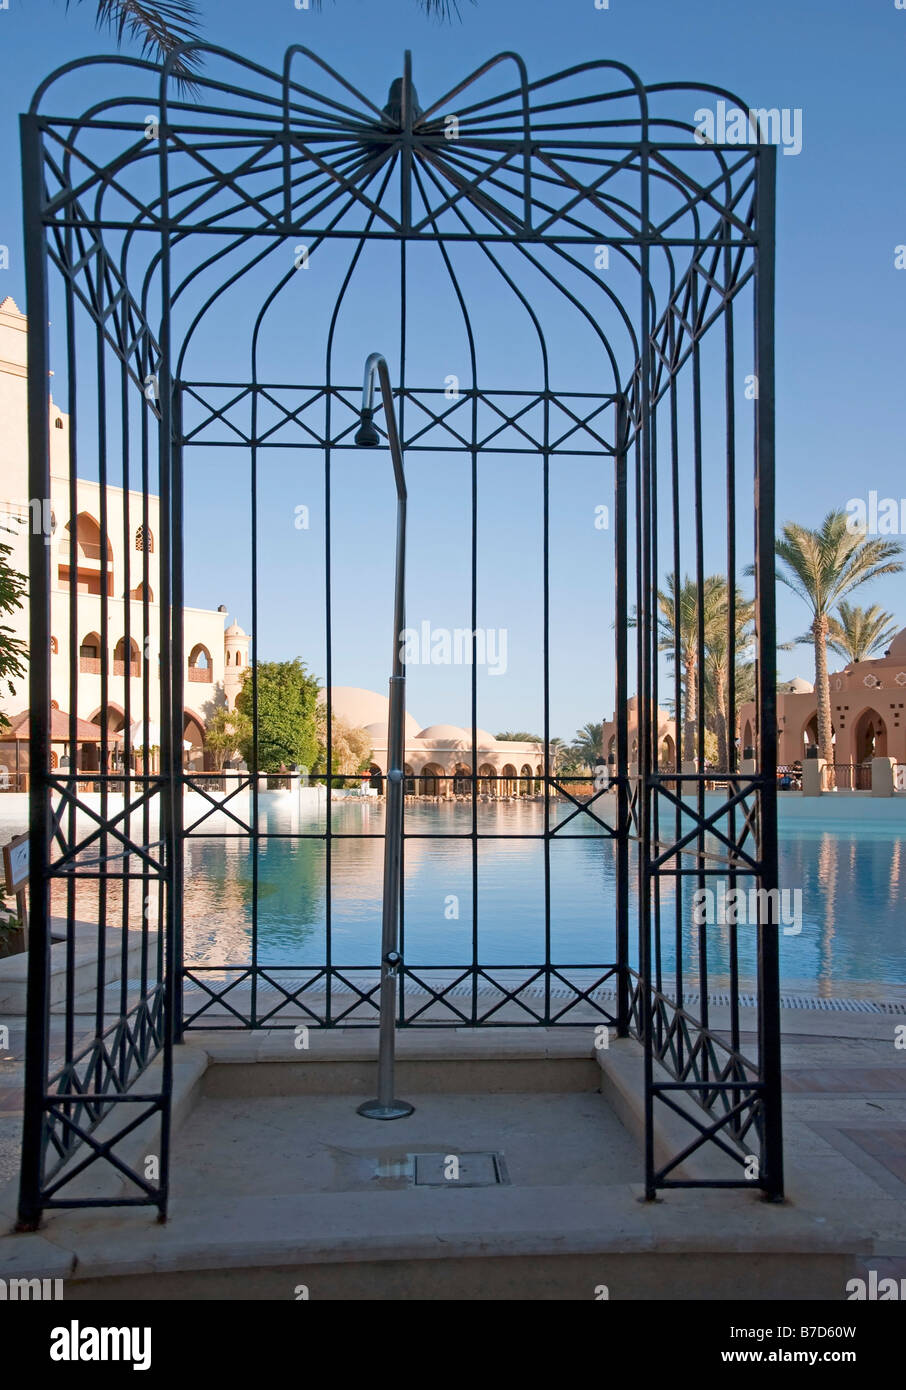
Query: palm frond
(160, 28)
(441, 10)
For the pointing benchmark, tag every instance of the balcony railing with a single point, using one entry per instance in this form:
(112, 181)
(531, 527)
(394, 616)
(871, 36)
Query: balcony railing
(201, 673)
(848, 777)
(91, 665)
(119, 667)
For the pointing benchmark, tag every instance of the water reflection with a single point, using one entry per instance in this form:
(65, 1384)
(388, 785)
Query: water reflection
(850, 941)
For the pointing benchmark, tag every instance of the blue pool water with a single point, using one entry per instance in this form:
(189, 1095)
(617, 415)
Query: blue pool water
(848, 940)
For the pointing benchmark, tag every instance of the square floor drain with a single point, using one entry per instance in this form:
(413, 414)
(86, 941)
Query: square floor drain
(460, 1170)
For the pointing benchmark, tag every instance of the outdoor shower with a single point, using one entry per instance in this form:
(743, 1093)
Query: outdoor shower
(602, 296)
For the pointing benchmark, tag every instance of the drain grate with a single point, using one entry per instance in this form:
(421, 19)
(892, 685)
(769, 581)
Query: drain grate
(480, 1169)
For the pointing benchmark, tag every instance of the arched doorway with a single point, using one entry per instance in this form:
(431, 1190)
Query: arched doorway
(430, 782)
(376, 779)
(508, 780)
(462, 780)
(869, 737)
(193, 735)
(487, 780)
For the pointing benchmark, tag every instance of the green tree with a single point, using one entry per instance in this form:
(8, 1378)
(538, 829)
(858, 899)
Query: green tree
(587, 746)
(350, 748)
(13, 588)
(287, 718)
(679, 616)
(822, 566)
(227, 730)
(857, 634)
(717, 663)
(519, 737)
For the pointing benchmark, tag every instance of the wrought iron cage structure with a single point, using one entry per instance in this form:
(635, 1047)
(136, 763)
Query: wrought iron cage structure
(164, 229)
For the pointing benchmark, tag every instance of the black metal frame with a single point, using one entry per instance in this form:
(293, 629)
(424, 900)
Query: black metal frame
(536, 174)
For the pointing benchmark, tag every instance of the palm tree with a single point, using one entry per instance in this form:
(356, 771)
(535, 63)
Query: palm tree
(822, 566)
(519, 736)
(857, 634)
(587, 746)
(561, 756)
(717, 659)
(679, 613)
(159, 28)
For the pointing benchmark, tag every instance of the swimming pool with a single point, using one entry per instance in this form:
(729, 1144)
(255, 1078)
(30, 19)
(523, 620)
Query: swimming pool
(848, 940)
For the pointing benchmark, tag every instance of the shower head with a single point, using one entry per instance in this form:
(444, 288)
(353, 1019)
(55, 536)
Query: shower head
(366, 436)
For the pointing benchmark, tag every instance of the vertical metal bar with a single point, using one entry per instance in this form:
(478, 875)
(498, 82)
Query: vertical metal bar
(621, 613)
(645, 619)
(699, 523)
(171, 618)
(178, 658)
(255, 804)
(679, 706)
(386, 1106)
(730, 707)
(36, 1026)
(768, 945)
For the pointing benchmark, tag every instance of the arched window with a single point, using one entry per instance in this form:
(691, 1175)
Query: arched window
(54, 645)
(200, 664)
(238, 661)
(90, 654)
(144, 539)
(94, 557)
(58, 423)
(119, 658)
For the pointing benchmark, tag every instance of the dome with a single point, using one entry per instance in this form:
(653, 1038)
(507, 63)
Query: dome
(897, 649)
(234, 630)
(450, 734)
(483, 739)
(797, 686)
(364, 709)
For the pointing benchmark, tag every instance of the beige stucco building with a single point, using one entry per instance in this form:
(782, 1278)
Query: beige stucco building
(666, 736)
(117, 538)
(438, 759)
(868, 705)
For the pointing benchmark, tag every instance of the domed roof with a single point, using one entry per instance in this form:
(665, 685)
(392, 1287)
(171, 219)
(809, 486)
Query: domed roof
(234, 630)
(797, 686)
(897, 649)
(440, 734)
(362, 709)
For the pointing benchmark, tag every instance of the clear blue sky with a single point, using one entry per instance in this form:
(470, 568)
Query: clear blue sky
(840, 425)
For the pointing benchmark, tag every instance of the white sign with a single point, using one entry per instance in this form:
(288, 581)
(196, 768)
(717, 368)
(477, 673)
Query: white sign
(15, 862)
